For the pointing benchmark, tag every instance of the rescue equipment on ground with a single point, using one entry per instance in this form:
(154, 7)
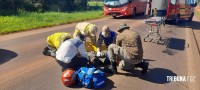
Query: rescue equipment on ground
(69, 77)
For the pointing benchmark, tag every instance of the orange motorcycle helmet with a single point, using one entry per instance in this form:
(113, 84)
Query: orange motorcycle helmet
(69, 77)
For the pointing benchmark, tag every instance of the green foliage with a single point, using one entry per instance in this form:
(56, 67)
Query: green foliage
(59, 5)
(12, 6)
(29, 20)
(80, 4)
(197, 13)
(20, 15)
(95, 3)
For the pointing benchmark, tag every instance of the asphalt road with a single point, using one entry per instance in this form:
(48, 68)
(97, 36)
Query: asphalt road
(24, 67)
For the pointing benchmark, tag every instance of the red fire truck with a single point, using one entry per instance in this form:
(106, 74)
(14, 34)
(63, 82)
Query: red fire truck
(124, 7)
(173, 9)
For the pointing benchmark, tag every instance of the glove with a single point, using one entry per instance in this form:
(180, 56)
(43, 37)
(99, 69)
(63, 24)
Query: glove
(98, 54)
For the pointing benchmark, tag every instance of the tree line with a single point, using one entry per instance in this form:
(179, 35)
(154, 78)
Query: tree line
(7, 6)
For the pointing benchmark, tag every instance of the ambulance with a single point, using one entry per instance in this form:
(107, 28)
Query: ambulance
(173, 10)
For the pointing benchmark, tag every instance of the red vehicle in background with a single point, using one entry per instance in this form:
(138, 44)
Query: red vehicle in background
(173, 10)
(124, 7)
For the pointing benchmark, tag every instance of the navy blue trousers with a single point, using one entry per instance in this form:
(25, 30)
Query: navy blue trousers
(75, 63)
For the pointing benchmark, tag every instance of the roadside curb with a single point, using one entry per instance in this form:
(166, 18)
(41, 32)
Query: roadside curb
(193, 58)
(196, 34)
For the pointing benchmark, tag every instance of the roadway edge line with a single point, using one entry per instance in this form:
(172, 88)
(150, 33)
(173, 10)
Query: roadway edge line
(193, 55)
(195, 37)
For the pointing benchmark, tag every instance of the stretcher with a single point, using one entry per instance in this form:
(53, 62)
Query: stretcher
(154, 29)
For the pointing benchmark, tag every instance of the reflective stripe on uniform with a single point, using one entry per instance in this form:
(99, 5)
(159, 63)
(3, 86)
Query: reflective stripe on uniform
(76, 42)
(88, 27)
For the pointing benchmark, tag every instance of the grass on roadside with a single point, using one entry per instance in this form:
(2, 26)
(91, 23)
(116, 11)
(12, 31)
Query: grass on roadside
(30, 20)
(197, 13)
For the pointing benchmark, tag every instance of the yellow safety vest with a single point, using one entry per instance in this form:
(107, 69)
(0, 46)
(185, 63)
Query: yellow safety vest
(56, 39)
(90, 46)
(85, 30)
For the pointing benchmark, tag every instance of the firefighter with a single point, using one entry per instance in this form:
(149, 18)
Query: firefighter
(72, 53)
(86, 29)
(54, 41)
(128, 47)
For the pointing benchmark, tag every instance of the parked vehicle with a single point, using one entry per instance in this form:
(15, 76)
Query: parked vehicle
(124, 7)
(174, 9)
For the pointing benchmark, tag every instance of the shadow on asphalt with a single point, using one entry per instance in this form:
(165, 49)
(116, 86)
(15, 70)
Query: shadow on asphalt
(176, 44)
(169, 51)
(148, 60)
(195, 25)
(131, 17)
(6, 55)
(108, 86)
(173, 44)
(155, 75)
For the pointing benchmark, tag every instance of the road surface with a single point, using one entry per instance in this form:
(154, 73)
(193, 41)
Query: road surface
(24, 67)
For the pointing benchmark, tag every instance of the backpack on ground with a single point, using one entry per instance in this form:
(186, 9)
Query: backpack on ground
(90, 77)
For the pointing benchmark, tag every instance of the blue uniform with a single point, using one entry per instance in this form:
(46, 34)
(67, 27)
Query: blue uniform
(107, 40)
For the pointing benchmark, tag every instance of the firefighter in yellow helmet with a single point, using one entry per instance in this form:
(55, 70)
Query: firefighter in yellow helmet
(86, 29)
(54, 41)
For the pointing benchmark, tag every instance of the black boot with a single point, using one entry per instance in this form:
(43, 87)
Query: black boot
(107, 62)
(138, 65)
(144, 66)
(112, 68)
(46, 52)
